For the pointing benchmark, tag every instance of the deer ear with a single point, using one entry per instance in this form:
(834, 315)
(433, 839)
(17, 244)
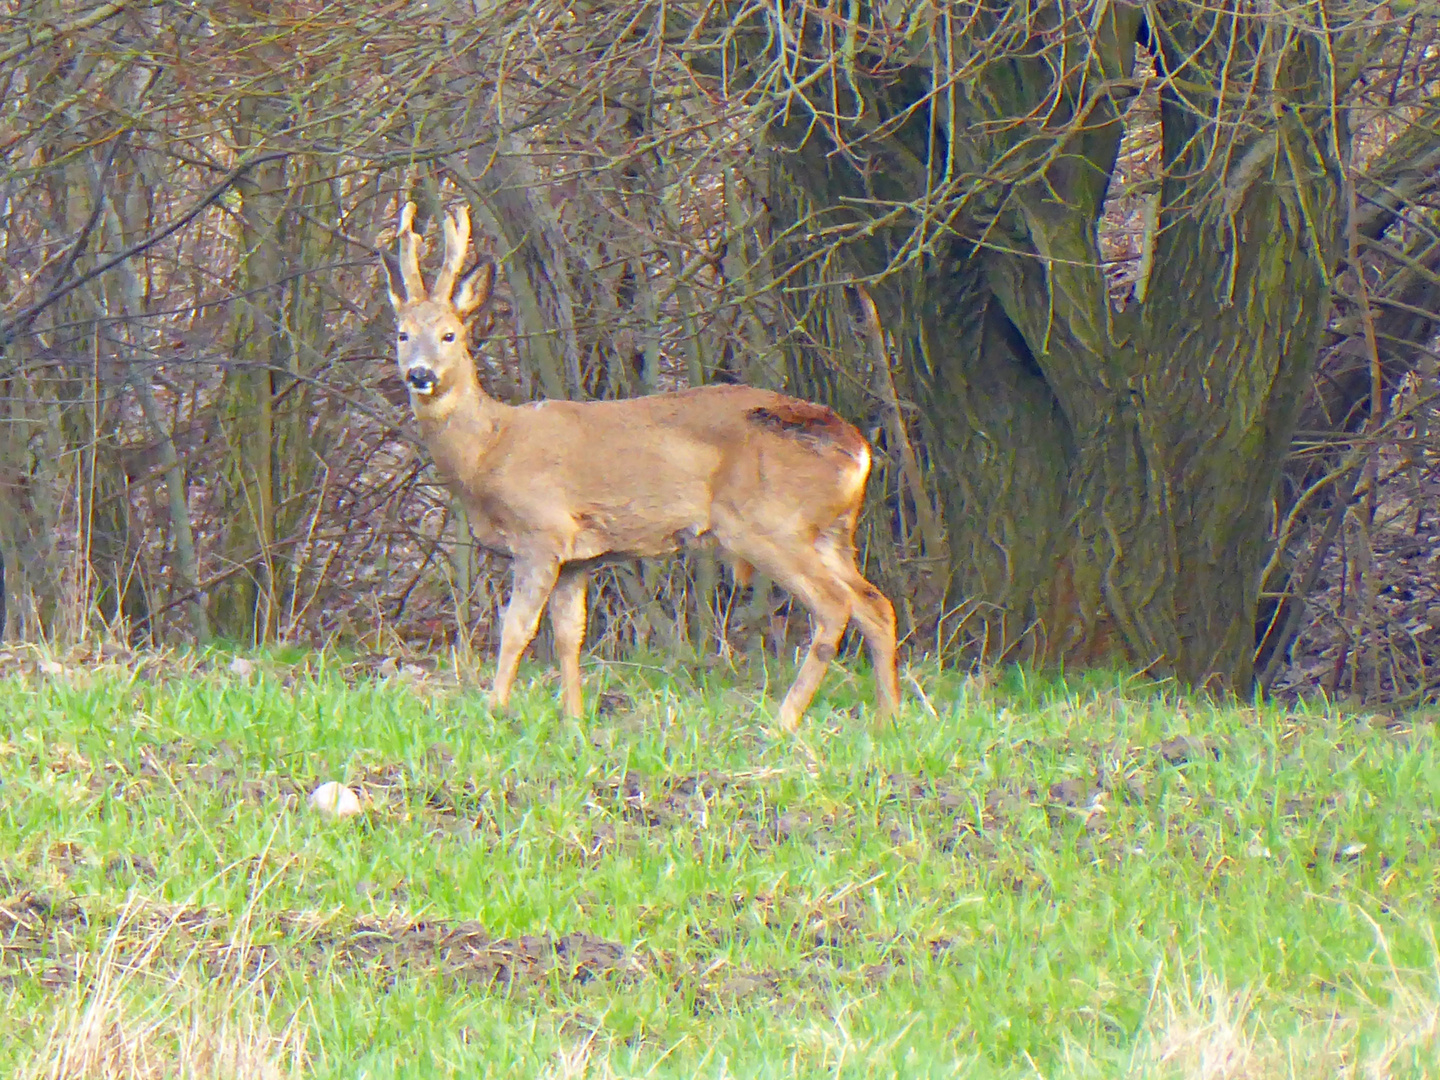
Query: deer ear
(394, 279)
(474, 289)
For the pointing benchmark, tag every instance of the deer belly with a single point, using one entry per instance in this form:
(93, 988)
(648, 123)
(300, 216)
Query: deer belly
(646, 539)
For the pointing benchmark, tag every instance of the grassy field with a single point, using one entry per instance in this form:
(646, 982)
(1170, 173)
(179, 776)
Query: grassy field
(1022, 878)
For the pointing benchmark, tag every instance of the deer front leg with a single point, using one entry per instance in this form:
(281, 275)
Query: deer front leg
(567, 620)
(532, 586)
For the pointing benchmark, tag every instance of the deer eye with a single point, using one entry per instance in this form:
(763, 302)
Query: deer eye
(449, 335)
(404, 336)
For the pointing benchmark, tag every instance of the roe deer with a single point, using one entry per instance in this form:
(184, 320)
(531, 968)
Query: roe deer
(776, 482)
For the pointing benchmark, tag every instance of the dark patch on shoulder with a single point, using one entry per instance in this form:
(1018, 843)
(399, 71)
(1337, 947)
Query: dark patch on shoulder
(818, 425)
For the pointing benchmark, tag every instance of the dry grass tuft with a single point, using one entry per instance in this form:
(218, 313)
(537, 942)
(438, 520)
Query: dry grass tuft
(125, 1018)
(1212, 1033)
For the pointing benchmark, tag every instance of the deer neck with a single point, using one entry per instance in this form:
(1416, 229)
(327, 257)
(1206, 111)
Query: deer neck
(459, 427)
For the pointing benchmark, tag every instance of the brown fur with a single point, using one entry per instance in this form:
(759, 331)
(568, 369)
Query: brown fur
(559, 484)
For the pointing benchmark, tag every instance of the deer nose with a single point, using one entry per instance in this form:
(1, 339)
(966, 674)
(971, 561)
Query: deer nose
(421, 379)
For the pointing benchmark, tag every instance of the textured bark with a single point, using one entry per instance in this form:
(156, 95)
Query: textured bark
(131, 303)
(246, 606)
(275, 435)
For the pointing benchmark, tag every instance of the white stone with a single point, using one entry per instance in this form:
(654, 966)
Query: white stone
(334, 800)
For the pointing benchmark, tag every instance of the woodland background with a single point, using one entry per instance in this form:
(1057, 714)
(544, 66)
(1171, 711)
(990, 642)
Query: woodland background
(1156, 288)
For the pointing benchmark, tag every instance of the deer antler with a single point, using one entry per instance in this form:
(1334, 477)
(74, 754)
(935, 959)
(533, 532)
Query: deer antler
(457, 241)
(410, 255)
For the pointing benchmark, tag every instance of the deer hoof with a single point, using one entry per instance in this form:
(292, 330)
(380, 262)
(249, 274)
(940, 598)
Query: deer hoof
(789, 722)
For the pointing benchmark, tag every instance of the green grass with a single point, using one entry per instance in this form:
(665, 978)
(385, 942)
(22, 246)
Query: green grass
(1011, 881)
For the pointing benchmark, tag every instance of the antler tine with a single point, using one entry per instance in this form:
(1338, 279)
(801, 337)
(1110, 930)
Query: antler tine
(410, 255)
(457, 242)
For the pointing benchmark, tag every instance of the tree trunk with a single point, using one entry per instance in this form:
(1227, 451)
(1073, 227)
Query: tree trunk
(270, 420)
(1105, 474)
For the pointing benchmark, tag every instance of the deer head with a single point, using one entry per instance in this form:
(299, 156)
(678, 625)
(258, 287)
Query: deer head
(430, 326)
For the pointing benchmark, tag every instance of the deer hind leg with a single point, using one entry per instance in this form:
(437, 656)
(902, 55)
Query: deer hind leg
(533, 584)
(874, 613)
(794, 564)
(829, 606)
(567, 620)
